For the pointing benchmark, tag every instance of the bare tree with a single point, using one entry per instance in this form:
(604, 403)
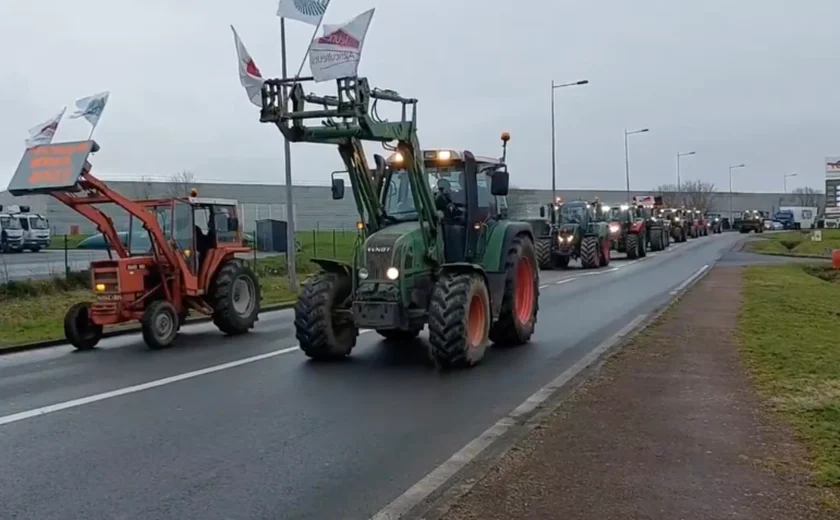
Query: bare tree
(180, 184)
(807, 197)
(699, 194)
(670, 195)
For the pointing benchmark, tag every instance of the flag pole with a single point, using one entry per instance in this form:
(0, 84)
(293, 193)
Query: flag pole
(305, 55)
(291, 243)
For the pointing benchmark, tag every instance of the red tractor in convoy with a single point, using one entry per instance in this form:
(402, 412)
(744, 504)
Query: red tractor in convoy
(186, 263)
(627, 230)
(699, 225)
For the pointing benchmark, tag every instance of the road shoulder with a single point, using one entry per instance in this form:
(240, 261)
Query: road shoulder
(670, 427)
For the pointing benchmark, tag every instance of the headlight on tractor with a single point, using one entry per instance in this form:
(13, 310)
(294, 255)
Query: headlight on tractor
(392, 273)
(614, 228)
(363, 274)
(100, 287)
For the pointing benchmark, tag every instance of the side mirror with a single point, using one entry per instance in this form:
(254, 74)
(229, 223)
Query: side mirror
(337, 189)
(500, 183)
(233, 224)
(542, 211)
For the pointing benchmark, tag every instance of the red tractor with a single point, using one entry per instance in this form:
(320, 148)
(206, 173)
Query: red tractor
(699, 225)
(627, 230)
(167, 266)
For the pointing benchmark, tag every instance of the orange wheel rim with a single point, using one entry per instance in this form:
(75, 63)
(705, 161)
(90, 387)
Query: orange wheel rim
(476, 321)
(524, 296)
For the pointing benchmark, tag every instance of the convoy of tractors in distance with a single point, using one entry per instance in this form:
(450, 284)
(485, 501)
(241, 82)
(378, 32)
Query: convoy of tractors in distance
(590, 231)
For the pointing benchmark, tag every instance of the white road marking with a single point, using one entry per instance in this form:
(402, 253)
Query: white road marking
(690, 279)
(567, 280)
(543, 286)
(438, 477)
(629, 263)
(20, 416)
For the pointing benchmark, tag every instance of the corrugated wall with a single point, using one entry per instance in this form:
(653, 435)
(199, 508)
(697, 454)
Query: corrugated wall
(314, 208)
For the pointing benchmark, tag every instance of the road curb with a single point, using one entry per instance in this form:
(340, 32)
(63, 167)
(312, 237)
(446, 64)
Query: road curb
(517, 426)
(37, 345)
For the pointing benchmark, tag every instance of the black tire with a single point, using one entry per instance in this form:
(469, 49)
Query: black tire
(632, 246)
(322, 336)
(589, 252)
(159, 324)
(666, 238)
(79, 330)
(543, 248)
(399, 334)
(656, 241)
(235, 298)
(509, 329)
(449, 320)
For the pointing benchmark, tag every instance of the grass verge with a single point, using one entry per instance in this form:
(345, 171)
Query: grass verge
(796, 243)
(789, 333)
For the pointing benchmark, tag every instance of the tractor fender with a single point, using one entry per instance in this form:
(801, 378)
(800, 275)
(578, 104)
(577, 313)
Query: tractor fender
(333, 266)
(637, 227)
(496, 263)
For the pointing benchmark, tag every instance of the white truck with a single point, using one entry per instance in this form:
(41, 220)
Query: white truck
(36, 228)
(11, 233)
(804, 216)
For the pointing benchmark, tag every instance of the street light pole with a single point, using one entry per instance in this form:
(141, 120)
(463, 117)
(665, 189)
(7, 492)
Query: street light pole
(627, 156)
(786, 178)
(680, 155)
(553, 138)
(733, 167)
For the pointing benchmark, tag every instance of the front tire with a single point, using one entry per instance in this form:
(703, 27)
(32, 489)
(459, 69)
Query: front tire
(82, 333)
(459, 320)
(589, 252)
(159, 324)
(520, 300)
(543, 248)
(632, 246)
(235, 298)
(322, 334)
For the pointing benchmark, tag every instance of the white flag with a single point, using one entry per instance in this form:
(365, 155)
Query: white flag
(91, 107)
(336, 54)
(306, 11)
(249, 74)
(44, 133)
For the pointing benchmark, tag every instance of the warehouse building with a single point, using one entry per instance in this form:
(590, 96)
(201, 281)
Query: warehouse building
(314, 208)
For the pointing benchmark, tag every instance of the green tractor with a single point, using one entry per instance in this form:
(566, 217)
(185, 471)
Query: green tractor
(435, 246)
(581, 233)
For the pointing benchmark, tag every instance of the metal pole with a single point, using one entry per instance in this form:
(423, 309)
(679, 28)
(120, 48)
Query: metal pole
(627, 165)
(291, 250)
(731, 219)
(785, 184)
(553, 151)
(679, 183)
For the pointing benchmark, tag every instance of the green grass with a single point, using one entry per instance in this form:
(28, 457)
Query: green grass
(790, 332)
(57, 241)
(796, 243)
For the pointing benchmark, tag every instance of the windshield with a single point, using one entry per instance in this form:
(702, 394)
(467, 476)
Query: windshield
(616, 214)
(572, 213)
(38, 223)
(9, 223)
(399, 203)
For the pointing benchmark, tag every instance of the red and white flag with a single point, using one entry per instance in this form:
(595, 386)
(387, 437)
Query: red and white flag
(249, 75)
(336, 54)
(44, 133)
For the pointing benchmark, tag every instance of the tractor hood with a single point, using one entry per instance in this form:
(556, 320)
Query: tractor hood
(569, 228)
(389, 248)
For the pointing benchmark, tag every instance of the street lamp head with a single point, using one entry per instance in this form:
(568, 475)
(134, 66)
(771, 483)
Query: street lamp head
(583, 82)
(791, 175)
(644, 130)
(691, 153)
(738, 166)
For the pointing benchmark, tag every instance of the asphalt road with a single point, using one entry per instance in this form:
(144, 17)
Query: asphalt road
(273, 436)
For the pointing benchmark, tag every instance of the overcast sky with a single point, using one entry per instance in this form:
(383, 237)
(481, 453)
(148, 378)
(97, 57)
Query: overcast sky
(753, 81)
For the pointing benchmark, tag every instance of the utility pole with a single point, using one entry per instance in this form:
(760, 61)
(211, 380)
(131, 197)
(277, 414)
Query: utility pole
(291, 243)
(553, 137)
(627, 157)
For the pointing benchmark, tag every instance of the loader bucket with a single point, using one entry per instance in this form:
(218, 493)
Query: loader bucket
(51, 167)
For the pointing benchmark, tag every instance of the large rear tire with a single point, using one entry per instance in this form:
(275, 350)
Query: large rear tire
(543, 248)
(79, 330)
(459, 320)
(632, 247)
(520, 300)
(159, 324)
(235, 297)
(322, 334)
(656, 243)
(589, 252)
